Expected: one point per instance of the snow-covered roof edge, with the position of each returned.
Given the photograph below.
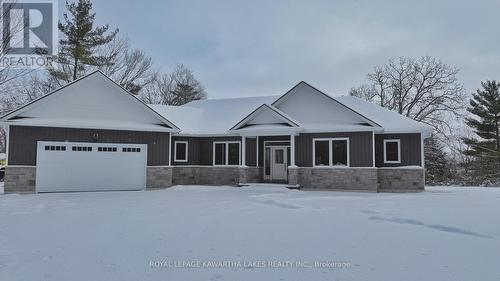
(5, 118)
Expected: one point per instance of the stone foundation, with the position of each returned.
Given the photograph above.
(358, 179)
(254, 174)
(327, 178)
(207, 175)
(158, 177)
(401, 180)
(20, 179)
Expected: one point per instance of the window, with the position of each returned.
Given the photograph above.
(340, 153)
(105, 149)
(55, 147)
(322, 153)
(131, 149)
(181, 151)
(226, 153)
(392, 151)
(331, 152)
(278, 156)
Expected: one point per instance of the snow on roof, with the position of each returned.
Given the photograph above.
(211, 116)
(217, 116)
(391, 121)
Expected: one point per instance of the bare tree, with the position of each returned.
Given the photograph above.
(424, 89)
(132, 68)
(176, 88)
(158, 91)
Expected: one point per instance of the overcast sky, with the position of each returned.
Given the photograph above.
(246, 48)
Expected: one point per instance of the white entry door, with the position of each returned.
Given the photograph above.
(279, 163)
(72, 166)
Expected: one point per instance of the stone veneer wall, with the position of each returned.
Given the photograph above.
(158, 177)
(358, 179)
(401, 179)
(207, 175)
(254, 174)
(364, 179)
(20, 179)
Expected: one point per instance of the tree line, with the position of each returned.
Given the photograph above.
(465, 145)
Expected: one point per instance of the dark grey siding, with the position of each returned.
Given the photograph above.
(410, 150)
(193, 150)
(23, 141)
(360, 148)
(200, 149)
(251, 151)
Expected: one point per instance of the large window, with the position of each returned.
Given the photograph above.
(392, 151)
(181, 151)
(331, 152)
(226, 153)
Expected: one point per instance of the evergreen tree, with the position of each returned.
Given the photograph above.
(485, 108)
(436, 164)
(80, 40)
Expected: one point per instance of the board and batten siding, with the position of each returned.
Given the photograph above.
(251, 152)
(200, 149)
(23, 141)
(411, 154)
(360, 148)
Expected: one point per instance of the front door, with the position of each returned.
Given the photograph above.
(279, 163)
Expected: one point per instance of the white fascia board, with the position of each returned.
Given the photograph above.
(268, 132)
(375, 129)
(180, 134)
(425, 133)
(151, 128)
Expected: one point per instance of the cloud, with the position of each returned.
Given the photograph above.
(242, 48)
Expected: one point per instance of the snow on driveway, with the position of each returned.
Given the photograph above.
(253, 233)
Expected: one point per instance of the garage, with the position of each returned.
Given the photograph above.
(80, 166)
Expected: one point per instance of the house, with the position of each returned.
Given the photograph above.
(93, 135)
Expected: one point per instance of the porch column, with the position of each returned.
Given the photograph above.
(292, 150)
(243, 151)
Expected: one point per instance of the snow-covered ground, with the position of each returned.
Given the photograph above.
(186, 233)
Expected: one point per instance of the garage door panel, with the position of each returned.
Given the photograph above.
(66, 166)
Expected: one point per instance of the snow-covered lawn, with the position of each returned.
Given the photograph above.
(183, 232)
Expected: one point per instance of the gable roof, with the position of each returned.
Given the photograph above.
(276, 113)
(38, 113)
(294, 90)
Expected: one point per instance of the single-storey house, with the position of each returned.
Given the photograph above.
(93, 135)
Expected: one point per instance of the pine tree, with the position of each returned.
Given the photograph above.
(436, 164)
(485, 108)
(81, 38)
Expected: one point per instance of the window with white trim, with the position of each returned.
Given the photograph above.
(392, 151)
(331, 152)
(181, 151)
(226, 153)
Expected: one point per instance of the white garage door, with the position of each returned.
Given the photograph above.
(70, 166)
